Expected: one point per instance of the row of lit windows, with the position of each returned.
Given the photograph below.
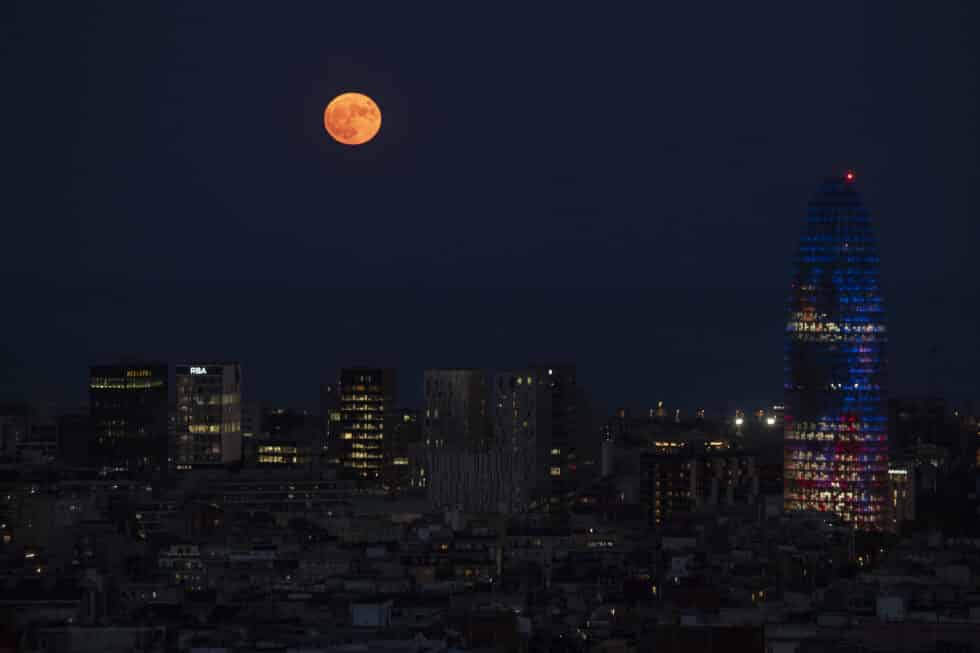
(833, 327)
(276, 448)
(846, 511)
(834, 495)
(124, 384)
(838, 505)
(807, 455)
(796, 482)
(278, 460)
(221, 427)
(833, 338)
(834, 437)
(369, 411)
(838, 471)
(363, 455)
(204, 428)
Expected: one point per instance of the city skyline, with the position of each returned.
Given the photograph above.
(490, 327)
(208, 174)
(745, 357)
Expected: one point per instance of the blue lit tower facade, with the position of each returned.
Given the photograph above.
(836, 429)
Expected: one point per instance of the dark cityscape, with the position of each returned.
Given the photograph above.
(406, 328)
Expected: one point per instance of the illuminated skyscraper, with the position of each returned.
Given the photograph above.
(836, 427)
(360, 441)
(209, 415)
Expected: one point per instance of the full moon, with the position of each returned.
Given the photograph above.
(352, 118)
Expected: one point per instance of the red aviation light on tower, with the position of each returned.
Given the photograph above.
(849, 176)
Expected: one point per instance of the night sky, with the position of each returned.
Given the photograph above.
(622, 190)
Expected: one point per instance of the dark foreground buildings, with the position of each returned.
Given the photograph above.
(507, 439)
(836, 435)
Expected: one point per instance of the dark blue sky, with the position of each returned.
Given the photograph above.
(170, 190)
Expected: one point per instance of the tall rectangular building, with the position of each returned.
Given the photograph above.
(535, 416)
(402, 463)
(558, 429)
(331, 416)
(208, 417)
(367, 400)
(16, 419)
(456, 408)
(75, 436)
(128, 409)
(529, 416)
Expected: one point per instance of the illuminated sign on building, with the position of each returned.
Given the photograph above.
(199, 370)
(130, 374)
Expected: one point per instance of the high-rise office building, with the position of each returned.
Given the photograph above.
(456, 408)
(16, 419)
(835, 423)
(253, 420)
(331, 416)
(208, 429)
(970, 430)
(367, 400)
(75, 439)
(902, 491)
(288, 438)
(554, 408)
(404, 452)
(918, 420)
(128, 408)
(527, 417)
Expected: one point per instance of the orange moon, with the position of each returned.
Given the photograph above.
(352, 118)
